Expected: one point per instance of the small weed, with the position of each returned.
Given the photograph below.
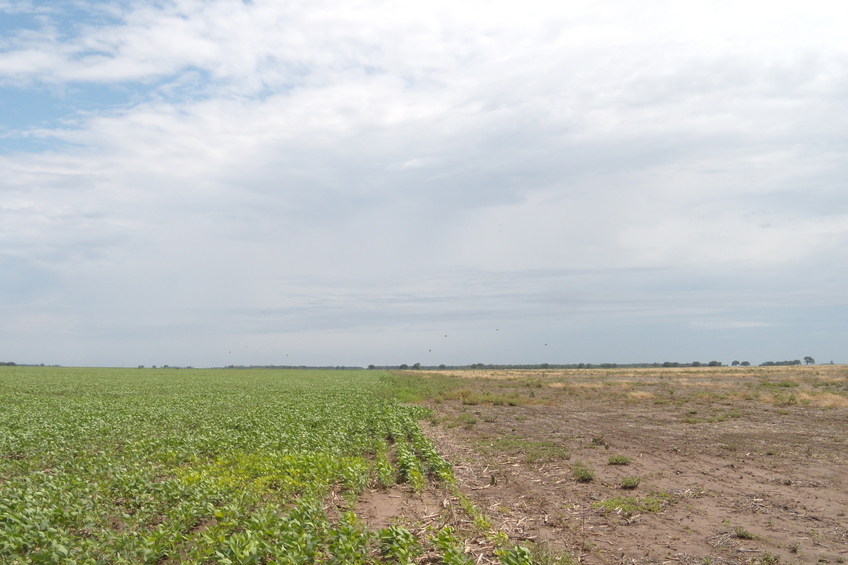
(769, 558)
(582, 473)
(629, 505)
(742, 533)
(691, 420)
(542, 554)
(629, 483)
(544, 452)
(467, 419)
(533, 451)
(795, 547)
(618, 460)
(598, 442)
(728, 446)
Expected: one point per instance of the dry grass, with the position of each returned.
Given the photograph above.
(825, 399)
(820, 386)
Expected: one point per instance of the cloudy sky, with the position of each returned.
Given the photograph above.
(213, 182)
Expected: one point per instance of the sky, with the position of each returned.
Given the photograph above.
(227, 182)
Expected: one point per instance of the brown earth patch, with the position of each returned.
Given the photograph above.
(400, 504)
(745, 468)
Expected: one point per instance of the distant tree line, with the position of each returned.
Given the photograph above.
(491, 366)
(666, 364)
(699, 364)
(327, 367)
(495, 366)
(8, 364)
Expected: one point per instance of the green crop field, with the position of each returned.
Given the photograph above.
(204, 466)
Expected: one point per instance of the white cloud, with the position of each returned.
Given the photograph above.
(347, 166)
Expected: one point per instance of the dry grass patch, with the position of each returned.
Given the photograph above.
(766, 398)
(589, 386)
(825, 400)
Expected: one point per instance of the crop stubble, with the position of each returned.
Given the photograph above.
(761, 449)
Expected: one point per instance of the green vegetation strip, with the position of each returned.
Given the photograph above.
(627, 506)
(109, 466)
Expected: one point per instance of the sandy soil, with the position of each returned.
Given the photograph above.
(742, 465)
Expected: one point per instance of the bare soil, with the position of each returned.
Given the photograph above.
(735, 465)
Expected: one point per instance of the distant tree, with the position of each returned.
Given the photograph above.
(735, 363)
(404, 366)
(780, 363)
(696, 363)
(371, 367)
(745, 363)
(714, 363)
(545, 365)
(443, 366)
(809, 360)
(417, 366)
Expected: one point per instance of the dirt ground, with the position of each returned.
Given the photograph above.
(734, 465)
